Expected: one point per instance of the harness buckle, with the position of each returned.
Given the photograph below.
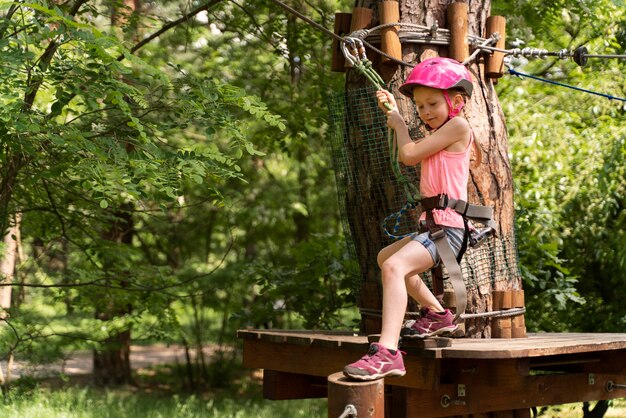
(442, 202)
(436, 234)
(477, 238)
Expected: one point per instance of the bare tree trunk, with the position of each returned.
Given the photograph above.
(8, 261)
(111, 363)
(369, 199)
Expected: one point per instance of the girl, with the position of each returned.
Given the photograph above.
(438, 86)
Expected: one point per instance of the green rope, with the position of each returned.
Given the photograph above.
(364, 66)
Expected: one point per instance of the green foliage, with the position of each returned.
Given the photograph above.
(567, 156)
(99, 146)
(315, 285)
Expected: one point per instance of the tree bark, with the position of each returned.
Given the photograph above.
(111, 363)
(7, 263)
(369, 199)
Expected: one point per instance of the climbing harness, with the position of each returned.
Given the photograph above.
(437, 234)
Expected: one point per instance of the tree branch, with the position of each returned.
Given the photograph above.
(171, 25)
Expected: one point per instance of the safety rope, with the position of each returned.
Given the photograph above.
(514, 72)
(377, 313)
(434, 35)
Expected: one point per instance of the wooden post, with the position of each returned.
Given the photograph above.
(367, 398)
(457, 24)
(389, 41)
(518, 324)
(342, 27)
(501, 327)
(494, 67)
(361, 18)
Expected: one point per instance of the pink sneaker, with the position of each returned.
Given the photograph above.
(376, 364)
(431, 323)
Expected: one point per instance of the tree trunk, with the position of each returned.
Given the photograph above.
(7, 263)
(370, 198)
(111, 363)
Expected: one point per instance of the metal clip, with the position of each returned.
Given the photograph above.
(478, 237)
(433, 30)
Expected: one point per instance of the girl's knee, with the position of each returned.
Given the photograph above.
(389, 270)
(380, 259)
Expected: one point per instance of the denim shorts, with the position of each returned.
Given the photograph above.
(455, 238)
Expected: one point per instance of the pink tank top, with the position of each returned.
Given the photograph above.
(446, 173)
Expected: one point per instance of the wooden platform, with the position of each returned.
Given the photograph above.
(469, 376)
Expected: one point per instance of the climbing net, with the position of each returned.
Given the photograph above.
(358, 127)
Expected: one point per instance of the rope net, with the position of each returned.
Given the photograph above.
(367, 185)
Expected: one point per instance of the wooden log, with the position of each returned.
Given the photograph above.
(502, 300)
(390, 42)
(361, 18)
(501, 327)
(494, 65)
(518, 322)
(367, 398)
(457, 24)
(342, 27)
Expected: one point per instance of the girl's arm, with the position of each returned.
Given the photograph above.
(453, 136)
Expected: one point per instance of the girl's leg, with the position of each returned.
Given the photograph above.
(422, 294)
(398, 261)
(415, 286)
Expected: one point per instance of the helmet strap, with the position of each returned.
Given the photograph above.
(452, 111)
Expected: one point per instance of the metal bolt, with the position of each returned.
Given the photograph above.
(349, 411)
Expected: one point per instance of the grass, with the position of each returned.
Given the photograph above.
(158, 394)
(90, 403)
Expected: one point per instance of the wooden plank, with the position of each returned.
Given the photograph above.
(532, 391)
(535, 345)
(324, 361)
(500, 372)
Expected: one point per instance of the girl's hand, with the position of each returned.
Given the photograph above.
(388, 104)
(385, 97)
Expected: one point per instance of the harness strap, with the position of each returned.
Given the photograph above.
(482, 214)
(437, 234)
(454, 271)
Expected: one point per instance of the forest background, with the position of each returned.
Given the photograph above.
(166, 175)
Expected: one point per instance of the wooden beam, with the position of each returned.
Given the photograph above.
(342, 27)
(532, 391)
(324, 361)
(278, 386)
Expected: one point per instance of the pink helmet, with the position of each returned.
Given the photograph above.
(439, 73)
